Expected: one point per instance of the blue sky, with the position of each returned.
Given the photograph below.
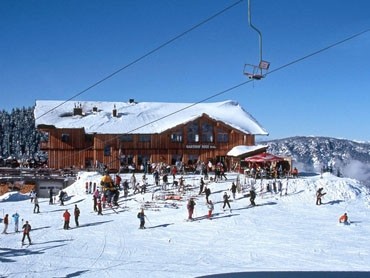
(56, 49)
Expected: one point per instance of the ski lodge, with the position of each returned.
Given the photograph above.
(125, 136)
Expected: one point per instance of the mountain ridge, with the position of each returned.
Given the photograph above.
(314, 153)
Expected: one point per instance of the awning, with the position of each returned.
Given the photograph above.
(264, 157)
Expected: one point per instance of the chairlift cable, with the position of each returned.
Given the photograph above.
(145, 55)
(239, 85)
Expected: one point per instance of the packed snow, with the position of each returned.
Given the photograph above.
(285, 232)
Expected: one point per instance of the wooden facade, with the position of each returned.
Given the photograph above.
(203, 139)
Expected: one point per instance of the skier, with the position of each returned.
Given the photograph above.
(201, 187)
(99, 206)
(61, 197)
(136, 188)
(156, 177)
(252, 197)
(222, 172)
(66, 216)
(104, 199)
(77, 215)
(125, 188)
(233, 189)
(344, 219)
(106, 181)
(133, 180)
(16, 221)
(51, 196)
(165, 181)
(26, 232)
(6, 223)
(190, 207)
(226, 201)
(319, 195)
(210, 208)
(116, 197)
(141, 216)
(36, 208)
(95, 199)
(32, 195)
(207, 191)
(118, 181)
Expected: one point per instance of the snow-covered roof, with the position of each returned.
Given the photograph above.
(142, 117)
(242, 150)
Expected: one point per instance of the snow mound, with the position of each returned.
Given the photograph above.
(13, 197)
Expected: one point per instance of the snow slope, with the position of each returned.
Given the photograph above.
(283, 233)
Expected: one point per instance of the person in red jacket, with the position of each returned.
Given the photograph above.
(6, 223)
(67, 217)
(344, 219)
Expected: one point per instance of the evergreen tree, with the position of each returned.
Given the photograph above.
(19, 138)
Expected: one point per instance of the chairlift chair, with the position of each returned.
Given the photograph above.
(253, 71)
(256, 72)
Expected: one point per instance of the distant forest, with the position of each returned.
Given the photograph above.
(19, 139)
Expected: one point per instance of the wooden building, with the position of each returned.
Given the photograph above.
(121, 134)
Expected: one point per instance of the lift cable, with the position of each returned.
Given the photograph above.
(239, 85)
(145, 55)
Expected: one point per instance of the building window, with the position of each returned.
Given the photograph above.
(126, 160)
(176, 136)
(207, 133)
(144, 138)
(127, 138)
(65, 137)
(107, 150)
(222, 136)
(193, 132)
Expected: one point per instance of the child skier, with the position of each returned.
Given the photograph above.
(210, 208)
(141, 216)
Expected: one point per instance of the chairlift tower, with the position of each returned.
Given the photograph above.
(256, 72)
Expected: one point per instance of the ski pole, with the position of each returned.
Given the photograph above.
(148, 220)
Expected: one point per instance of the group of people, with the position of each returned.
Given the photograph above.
(67, 217)
(26, 227)
(203, 188)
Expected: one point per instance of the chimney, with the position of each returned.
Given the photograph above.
(114, 112)
(77, 111)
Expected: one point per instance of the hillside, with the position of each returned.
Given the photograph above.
(285, 232)
(311, 154)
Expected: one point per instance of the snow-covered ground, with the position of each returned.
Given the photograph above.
(283, 233)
